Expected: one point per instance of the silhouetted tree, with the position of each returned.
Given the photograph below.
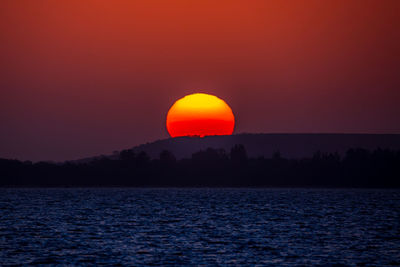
(276, 155)
(167, 158)
(238, 155)
(127, 155)
(142, 159)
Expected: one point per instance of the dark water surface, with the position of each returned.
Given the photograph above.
(199, 226)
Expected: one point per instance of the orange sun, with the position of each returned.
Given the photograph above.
(200, 115)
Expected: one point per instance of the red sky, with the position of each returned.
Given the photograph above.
(81, 78)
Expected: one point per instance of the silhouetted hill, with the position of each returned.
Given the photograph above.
(289, 145)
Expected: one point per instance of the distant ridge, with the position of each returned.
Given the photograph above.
(289, 145)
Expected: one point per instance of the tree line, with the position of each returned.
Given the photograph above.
(358, 168)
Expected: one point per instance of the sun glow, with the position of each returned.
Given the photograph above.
(200, 115)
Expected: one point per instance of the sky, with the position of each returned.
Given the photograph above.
(83, 78)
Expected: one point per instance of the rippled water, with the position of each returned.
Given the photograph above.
(199, 226)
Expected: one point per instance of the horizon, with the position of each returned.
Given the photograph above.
(136, 147)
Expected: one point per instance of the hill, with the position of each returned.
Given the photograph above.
(289, 145)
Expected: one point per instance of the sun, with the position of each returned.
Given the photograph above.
(200, 115)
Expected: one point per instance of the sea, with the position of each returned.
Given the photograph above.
(202, 226)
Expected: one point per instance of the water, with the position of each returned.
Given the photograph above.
(199, 226)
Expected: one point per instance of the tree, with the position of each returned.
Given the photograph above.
(127, 155)
(166, 157)
(238, 154)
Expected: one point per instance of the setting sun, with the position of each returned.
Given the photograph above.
(200, 115)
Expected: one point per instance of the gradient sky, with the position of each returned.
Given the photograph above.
(82, 78)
